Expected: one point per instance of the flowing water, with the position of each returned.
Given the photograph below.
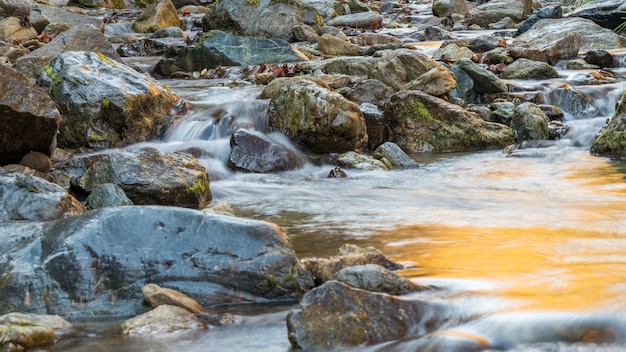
(530, 248)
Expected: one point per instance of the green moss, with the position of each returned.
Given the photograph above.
(105, 103)
(252, 2)
(610, 143)
(416, 111)
(50, 73)
(105, 59)
(319, 20)
(201, 189)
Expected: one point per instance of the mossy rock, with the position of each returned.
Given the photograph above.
(612, 139)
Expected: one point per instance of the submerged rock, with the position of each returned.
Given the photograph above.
(104, 103)
(353, 160)
(317, 119)
(29, 119)
(96, 263)
(335, 315)
(419, 122)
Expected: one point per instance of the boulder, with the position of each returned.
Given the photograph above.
(252, 151)
(484, 81)
(37, 161)
(611, 141)
(143, 47)
(494, 11)
(452, 53)
(437, 81)
(605, 13)
(107, 195)
(325, 269)
(529, 69)
(265, 18)
(529, 122)
(304, 33)
(371, 91)
(399, 67)
(375, 122)
(345, 65)
(96, 263)
(11, 29)
(217, 48)
(502, 112)
(573, 101)
(78, 38)
(390, 154)
(29, 120)
(602, 58)
(354, 160)
(19, 332)
(161, 14)
(104, 103)
(334, 316)
(369, 38)
(331, 45)
(156, 295)
(15, 8)
(443, 8)
(148, 176)
(362, 20)
(553, 12)
(316, 119)
(161, 320)
(27, 197)
(42, 15)
(419, 122)
(375, 278)
(479, 44)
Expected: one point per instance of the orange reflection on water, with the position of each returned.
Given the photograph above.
(548, 269)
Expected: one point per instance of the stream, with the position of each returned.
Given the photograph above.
(530, 246)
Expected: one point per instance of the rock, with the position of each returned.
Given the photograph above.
(553, 113)
(50, 14)
(304, 33)
(494, 11)
(220, 209)
(579, 64)
(611, 141)
(143, 47)
(528, 69)
(375, 122)
(148, 176)
(15, 8)
(27, 197)
(375, 278)
(435, 33)
(275, 87)
(437, 81)
(419, 122)
(29, 120)
(265, 18)
(368, 38)
(217, 48)
(325, 269)
(484, 81)
(162, 320)
(557, 130)
(169, 32)
(452, 53)
(107, 195)
(335, 315)
(253, 151)
(502, 112)
(96, 263)
(443, 8)
(504, 23)
(58, 325)
(554, 12)
(351, 66)
(573, 101)
(104, 103)
(464, 90)
(371, 91)
(332, 31)
(399, 67)
(331, 45)
(477, 44)
(367, 20)
(529, 122)
(77, 38)
(353, 160)
(11, 29)
(159, 15)
(393, 155)
(19, 332)
(37, 160)
(156, 296)
(605, 13)
(602, 58)
(497, 56)
(317, 119)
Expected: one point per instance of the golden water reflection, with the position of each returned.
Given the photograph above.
(546, 269)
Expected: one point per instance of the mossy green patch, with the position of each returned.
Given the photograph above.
(414, 110)
(50, 73)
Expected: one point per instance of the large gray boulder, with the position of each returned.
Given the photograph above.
(335, 315)
(419, 122)
(29, 120)
(78, 38)
(217, 48)
(104, 103)
(265, 18)
(611, 141)
(147, 176)
(317, 119)
(606, 13)
(97, 263)
(27, 197)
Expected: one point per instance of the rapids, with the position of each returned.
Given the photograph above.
(530, 247)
